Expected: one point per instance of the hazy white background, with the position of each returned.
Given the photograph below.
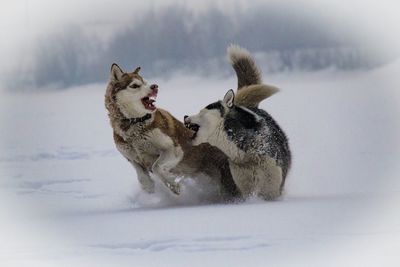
(68, 198)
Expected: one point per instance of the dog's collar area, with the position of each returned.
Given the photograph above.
(137, 120)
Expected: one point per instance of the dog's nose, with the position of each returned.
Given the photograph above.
(186, 119)
(154, 87)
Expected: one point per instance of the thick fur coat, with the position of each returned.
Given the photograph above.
(257, 148)
(155, 142)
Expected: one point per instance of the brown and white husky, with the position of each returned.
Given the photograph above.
(155, 142)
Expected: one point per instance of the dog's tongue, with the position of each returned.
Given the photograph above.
(148, 102)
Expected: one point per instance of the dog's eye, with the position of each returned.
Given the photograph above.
(134, 85)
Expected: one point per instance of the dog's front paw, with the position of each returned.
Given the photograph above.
(174, 187)
(150, 189)
(147, 184)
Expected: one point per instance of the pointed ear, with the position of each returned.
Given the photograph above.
(136, 71)
(229, 98)
(116, 72)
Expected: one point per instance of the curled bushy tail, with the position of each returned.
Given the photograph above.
(244, 65)
(250, 96)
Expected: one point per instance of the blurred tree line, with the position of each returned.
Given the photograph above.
(175, 39)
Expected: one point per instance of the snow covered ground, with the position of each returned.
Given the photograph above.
(67, 198)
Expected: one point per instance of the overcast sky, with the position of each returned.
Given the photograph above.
(23, 21)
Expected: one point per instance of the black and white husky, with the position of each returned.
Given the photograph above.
(257, 148)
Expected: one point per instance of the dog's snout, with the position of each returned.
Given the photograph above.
(154, 87)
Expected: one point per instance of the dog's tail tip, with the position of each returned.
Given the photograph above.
(235, 52)
(244, 65)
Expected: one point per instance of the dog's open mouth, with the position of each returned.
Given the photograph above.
(149, 100)
(194, 127)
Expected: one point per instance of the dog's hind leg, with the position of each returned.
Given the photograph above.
(263, 181)
(167, 160)
(243, 176)
(144, 178)
(268, 182)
